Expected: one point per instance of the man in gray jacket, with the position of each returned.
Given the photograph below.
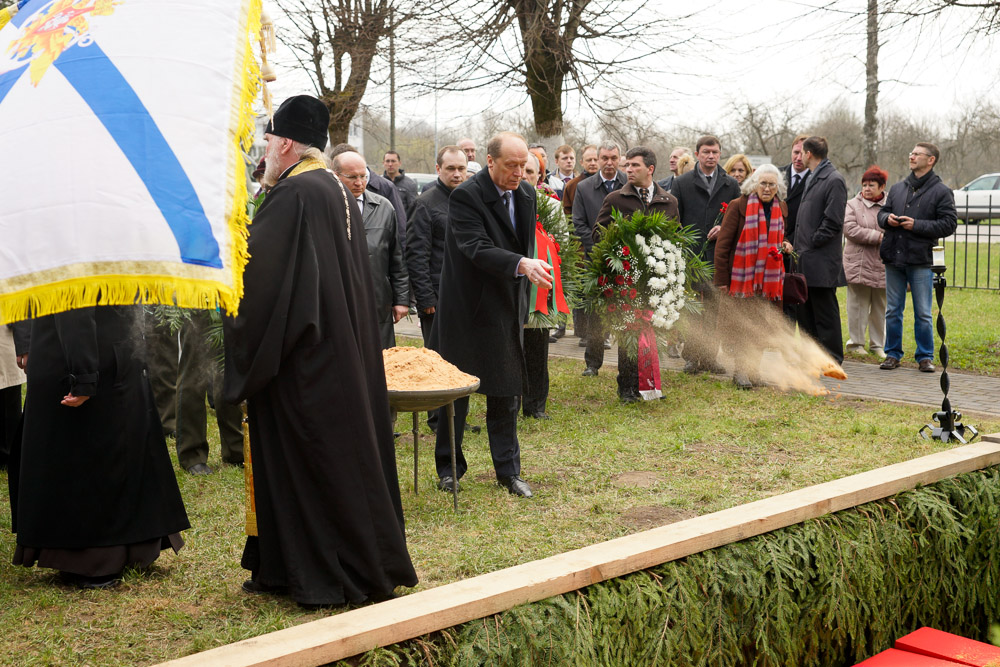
(587, 202)
(819, 242)
(385, 255)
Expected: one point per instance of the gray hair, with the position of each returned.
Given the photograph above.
(608, 146)
(753, 180)
(304, 151)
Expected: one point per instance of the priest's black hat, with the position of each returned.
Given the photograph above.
(302, 118)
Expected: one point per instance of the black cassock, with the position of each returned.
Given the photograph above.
(304, 351)
(92, 487)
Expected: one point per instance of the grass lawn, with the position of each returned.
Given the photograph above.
(600, 470)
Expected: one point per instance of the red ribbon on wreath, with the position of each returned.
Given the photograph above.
(547, 250)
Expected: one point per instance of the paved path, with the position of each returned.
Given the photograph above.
(969, 393)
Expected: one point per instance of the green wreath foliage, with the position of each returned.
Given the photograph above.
(606, 260)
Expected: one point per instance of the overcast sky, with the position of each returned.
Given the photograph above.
(765, 51)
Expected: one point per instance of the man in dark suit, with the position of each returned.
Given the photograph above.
(819, 242)
(795, 173)
(587, 203)
(640, 194)
(700, 194)
(483, 303)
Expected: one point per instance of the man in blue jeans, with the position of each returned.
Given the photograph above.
(919, 211)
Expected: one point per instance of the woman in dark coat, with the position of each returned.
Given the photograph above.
(92, 487)
(749, 265)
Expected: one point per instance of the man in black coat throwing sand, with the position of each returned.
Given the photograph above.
(483, 303)
(304, 351)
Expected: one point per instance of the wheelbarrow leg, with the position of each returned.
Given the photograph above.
(416, 446)
(454, 463)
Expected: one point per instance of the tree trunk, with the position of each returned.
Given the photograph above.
(871, 87)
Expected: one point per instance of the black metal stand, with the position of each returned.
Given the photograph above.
(949, 422)
(450, 411)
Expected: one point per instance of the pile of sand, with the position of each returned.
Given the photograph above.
(420, 369)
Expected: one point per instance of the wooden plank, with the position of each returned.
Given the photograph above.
(359, 630)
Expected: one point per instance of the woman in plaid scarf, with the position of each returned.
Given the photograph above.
(749, 265)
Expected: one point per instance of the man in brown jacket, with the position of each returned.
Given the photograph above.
(640, 194)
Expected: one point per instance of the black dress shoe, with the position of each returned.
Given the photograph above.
(742, 381)
(553, 339)
(560, 332)
(471, 428)
(590, 372)
(538, 415)
(200, 469)
(692, 367)
(445, 483)
(890, 363)
(257, 588)
(515, 486)
(628, 398)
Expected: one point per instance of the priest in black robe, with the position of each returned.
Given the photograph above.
(91, 484)
(304, 352)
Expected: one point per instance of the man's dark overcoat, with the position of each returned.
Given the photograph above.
(304, 351)
(819, 228)
(424, 250)
(482, 304)
(699, 209)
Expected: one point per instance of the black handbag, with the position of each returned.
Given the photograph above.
(795, 291)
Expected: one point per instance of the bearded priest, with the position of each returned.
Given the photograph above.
(304, 353)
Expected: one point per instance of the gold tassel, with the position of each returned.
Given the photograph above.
(267, 36)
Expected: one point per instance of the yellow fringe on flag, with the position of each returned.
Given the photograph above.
(111, 290)
(6, 14)
(129, 289)
(244, 118)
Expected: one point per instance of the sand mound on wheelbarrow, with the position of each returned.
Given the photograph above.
(420, 369)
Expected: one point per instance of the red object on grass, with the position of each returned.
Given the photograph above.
(938, 644)
(896, 658)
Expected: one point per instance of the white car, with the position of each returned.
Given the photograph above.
(979, 200)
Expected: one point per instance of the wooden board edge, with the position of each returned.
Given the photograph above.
(353, 632)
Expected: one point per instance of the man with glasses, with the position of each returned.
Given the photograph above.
(385, 255)
(919, 210)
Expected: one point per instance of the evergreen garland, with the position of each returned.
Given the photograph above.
(830, 591)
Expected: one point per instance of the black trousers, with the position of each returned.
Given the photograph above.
(426, 322)
(593, 355)
(701, 341)
(10, 417)
(536, 358)
(628, 375)
(819, 317)
(161, 360)
(198, 374)
(501, 425)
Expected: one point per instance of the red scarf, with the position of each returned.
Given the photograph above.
(758, 267)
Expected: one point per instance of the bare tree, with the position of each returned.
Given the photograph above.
(546, 45)
(871, 86)
(336, 43)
